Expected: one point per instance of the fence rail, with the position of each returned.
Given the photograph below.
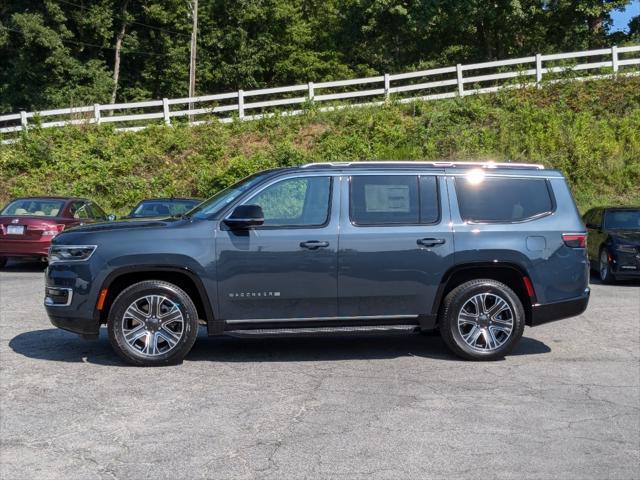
(436, 83)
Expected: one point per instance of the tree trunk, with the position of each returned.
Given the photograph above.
(118, 48)
(192, 54)
(486, 38)
(596, 27)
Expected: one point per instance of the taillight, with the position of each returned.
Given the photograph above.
(575, 240)
(53, 230)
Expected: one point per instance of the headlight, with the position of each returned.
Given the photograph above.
(70, 253)
(626, 248)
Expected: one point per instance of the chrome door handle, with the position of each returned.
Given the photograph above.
(430, 242)
(314, 244)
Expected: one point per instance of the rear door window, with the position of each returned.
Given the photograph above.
(429, 204)
(394, 199)
(503, 199)
(384, 200)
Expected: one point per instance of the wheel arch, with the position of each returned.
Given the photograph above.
(510, 274)
(184, 278)
(605, 245)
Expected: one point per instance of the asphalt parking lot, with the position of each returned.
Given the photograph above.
(565, 405)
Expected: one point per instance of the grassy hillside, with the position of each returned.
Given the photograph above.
(590, 131)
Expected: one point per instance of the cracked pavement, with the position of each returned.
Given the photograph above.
(565, 404)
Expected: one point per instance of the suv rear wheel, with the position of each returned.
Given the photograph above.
(482, 320)
(153, 323)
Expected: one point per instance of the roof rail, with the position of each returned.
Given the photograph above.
(440, 164)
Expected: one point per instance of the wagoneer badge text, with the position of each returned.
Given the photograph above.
(254, 294)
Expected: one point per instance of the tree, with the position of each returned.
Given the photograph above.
(118, 48)
(58, 53)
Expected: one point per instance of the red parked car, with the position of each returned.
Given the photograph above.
(27, 225)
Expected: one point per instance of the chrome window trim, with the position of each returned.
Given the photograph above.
(439, 197)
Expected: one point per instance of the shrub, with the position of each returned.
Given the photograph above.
(588, 130)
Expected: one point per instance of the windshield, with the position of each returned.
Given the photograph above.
(224, 197)
(155, 208)
(622, 220)
(34, 206)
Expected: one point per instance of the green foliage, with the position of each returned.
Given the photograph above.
(61, 53)
(588, 130)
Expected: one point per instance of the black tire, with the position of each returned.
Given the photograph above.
(452, 308)
(166, 354)
(605, 269)
(3, 261)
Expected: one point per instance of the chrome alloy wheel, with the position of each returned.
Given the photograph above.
(152, 325)
(485, 322)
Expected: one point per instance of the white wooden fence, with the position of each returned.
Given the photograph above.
(437, 83)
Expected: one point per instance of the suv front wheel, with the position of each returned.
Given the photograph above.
(604, 267)
(153, 323)
(482, 320)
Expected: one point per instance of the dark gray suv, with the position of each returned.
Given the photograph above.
(476, 250)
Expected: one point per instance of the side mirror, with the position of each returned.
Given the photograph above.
(245, 216)
(111, 217)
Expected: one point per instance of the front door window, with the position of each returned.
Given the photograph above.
(295, 202)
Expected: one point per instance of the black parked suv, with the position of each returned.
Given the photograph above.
(476, 250)
(614, 242)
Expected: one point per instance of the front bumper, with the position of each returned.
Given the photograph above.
(82, 326)
(626, 265)
(70, 297)
(551, 312)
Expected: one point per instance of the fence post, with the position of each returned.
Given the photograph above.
(165, 112)
(538, 70)
(23, 119)
(241, 104)
(387, 86)
(614, 58)
(312, 92)
(96, 113)
(460, 83)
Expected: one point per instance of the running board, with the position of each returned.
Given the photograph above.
(320, 331)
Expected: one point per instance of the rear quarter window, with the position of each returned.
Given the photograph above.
(503, 200)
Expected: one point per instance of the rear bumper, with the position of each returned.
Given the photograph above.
(551, 312)
(24, 248)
